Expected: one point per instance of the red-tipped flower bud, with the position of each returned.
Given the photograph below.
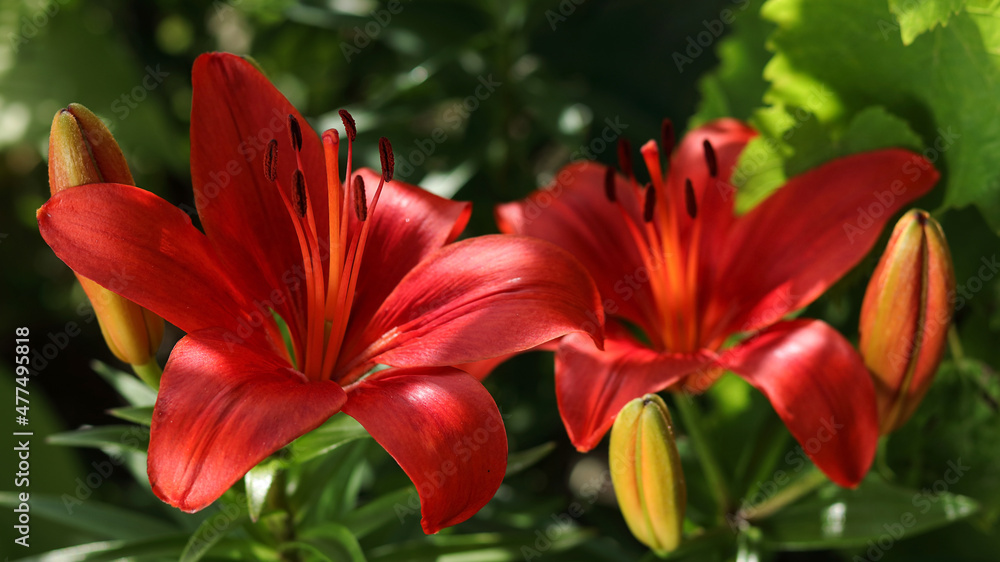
(83, 151)
(905, 316)
(646, 472)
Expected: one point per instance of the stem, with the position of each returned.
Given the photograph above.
(787, 495)
(955, 345)
(881, 460)
(283, 529)
(691, 417)
(149, 373)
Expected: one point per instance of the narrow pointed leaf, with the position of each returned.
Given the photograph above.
(142, 415)
(132, 389)
(208, 535)
(337, 431)
(96, 519)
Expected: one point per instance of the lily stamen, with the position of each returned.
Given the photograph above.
(710, 159)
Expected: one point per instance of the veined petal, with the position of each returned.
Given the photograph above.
(410, 223)
(592, 386)
(139, 246)
(235, 112)
(819, 386)
(481, 298)
(574, 213)
(221, 409)
(789, 249)
(444, 430)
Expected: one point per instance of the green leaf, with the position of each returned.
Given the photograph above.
(338, 430)
(792, 140)
(91, 516)
(736, 86)
(258, 483)
(132, 389)
(840, 518)
(157, 548)
(522, 460)
(142, 415)
(333, 541)
(945, 84)
(492, 547)
(209, 534)
(925, 448)
(873, 128)
(916, 17)
(117, 437)
(376, 513)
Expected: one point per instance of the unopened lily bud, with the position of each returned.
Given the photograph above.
(83, 151)
(646, 472)
(905, 316)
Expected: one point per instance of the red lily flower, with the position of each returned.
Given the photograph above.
(283, 236)
(674, 260)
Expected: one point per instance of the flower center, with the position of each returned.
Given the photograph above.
(329, 294)
(668, 235)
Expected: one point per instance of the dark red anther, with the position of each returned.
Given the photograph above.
(360, 199)
(388, 160)
(625, 157)
(689, 200)
(667, 137)
(713, 164)
(650, 206)
(349, 126)
(609, 184)
(299, 187)
(271, 161)
(295, 131)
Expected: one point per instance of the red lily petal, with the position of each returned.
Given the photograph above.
(714, 196)
(482, 369)
(221, 409)
(143, 248)
(480, 298)
(592, 386)
(789, 249)
(235, 112)
(575, 214)
(444, 430)
(410, 223)
(819, 386)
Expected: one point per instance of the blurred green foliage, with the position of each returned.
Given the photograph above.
(562, 73)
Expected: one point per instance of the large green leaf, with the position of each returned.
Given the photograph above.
(916, 17)
(945, 84)
(840, 518)
(792, 141)
(736, 86)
